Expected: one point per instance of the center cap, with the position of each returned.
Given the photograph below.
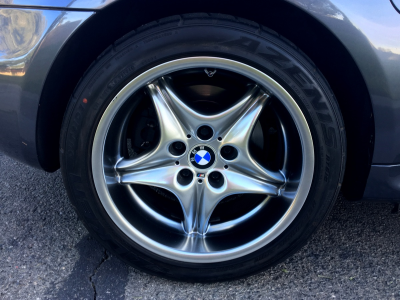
(202, 157)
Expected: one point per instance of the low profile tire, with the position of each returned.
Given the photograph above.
(202, 148)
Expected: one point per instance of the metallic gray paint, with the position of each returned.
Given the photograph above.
(77, 4)
(29, 42)
(371, 33)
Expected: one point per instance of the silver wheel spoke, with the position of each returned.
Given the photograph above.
(162, 177)
(192, 206)
(235, 183)
(239, 136)
(171, 130)
(192, 120)
(144, 161)
(170, 124)
(198, 201)
(166, 177)
(238, 183)
(191, 196)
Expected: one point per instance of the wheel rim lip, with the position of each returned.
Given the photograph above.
(202, 62)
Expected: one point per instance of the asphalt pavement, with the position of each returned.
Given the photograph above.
(46, 253)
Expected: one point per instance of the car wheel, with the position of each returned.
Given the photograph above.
(202, 148)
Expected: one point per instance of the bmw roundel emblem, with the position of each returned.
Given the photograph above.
(202, 157)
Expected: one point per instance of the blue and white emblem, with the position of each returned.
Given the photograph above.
(202, 157)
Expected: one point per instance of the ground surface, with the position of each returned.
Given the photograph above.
(46, 253)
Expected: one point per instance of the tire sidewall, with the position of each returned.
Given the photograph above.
(262, 50)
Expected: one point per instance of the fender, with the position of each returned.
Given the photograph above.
(32, 39)
(377, 57)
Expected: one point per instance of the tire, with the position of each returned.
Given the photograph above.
(225, 39)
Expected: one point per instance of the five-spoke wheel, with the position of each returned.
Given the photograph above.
(201, 159)
(202, 148)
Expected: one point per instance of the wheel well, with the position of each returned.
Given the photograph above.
(315, 40)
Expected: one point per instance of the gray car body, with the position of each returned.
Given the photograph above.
(33, 33)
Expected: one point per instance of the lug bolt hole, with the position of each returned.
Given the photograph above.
(185, 177)
(177, 163)
(220, 139)
(229, 152)
(226, 167)
(189, 136)
(205, 132)
(200, 180)
(216, 179)
(177, 148)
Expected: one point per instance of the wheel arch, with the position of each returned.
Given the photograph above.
(310, 35)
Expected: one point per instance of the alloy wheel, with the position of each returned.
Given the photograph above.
(207, 157)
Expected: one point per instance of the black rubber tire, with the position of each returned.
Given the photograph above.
(194, 35)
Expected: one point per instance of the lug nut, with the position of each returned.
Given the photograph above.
(215, 175)
(185, 173)
(216, 179)
(178, 145)
(177, 148)
(185, 177)
(229, 152)
(205, 132)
